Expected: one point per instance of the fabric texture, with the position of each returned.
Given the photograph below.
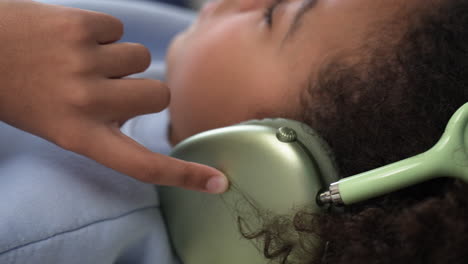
(60, 207)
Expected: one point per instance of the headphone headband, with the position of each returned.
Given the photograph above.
(449, 157)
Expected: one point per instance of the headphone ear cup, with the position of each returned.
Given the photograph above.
(274, 166)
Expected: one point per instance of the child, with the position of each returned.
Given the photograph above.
(377, 79)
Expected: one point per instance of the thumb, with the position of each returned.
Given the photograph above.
(117, 151)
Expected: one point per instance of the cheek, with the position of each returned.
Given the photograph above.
(225, 75)
(210, 80)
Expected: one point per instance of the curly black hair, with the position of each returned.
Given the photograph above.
(389, 106)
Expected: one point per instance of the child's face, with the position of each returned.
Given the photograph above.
(231, 66)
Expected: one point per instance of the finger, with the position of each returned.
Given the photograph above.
(121, 99)
(115, 150)
(122, 59)
(105, 28)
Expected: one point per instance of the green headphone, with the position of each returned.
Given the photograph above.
(278, 166)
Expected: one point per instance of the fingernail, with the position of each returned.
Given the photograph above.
(217, 184)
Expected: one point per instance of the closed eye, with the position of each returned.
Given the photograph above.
(268, 15)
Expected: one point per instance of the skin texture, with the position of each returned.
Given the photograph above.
(391, 101)
(61, 73)
(230, 66)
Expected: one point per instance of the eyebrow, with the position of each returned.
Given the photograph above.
(295, 25)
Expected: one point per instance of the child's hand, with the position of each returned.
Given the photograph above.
(60, 75)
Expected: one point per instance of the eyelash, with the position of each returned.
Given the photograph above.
(268, 15)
